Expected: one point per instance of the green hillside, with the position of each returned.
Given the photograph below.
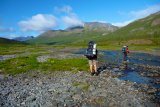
(91, 30)
(65, 38)
(8, 41)
(142, 32)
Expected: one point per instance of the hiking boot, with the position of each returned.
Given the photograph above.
(96, 73)
(92, 73)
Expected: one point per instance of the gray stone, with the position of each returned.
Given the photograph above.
(58, 90)
(34, 104)
(2, 77)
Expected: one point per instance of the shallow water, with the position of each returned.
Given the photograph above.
(134, 58)
(116, 57)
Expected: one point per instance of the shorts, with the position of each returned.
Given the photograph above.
(92, 62)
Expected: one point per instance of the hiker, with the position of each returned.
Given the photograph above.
(91, 54)
(125, 52)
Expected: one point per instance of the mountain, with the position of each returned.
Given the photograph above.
(75, 33)
(8, 41)
(98, 26)
(75, 28)
(145, 31)
(23, 38)
(142, 31)
(94, 26)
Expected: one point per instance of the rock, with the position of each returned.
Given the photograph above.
(54, 103)
(43, 58)
(77, 97)
(71, 90)
(150, 104)
(112, 104)
(6, 57)
(147, 70)
(34, 104)
(156, 22)
(52, 89)
(151, 91)
(1, 77)
(23, 103)
(115, 69)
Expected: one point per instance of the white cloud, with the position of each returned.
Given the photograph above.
(72, 21)
(69, 18)
(121, 24)
(65, 9)
(145, 12)
(6, 29)
(101, 21)
(11, 36)
(137, 14)
(39, 22)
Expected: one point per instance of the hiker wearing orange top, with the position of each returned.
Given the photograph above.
(125, 51)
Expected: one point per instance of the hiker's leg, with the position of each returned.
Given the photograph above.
(95, 68)
(95, 65)
(90, 66)
(125, 55)
(91, 70)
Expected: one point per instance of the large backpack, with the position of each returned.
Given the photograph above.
(91, 50)
(124, 49)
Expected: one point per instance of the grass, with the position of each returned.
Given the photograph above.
(74, 65)
(140, 30)
(13, 48)
(29, 63)
(9, 49)
(19, 65)
(8, 52)
(82, 85)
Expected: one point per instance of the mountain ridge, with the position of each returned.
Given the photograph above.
(74, 33)
(145, 31)
(22, 39)
(8, 41)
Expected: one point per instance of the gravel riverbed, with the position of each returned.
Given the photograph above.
(67, 89)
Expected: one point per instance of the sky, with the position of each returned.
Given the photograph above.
(33, 17)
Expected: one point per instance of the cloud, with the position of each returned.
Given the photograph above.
(101, 21)
(11, 36)
(137, 14)
(145, 12)
(43, 22)
(68, 17)
(121, 24)
(64, 9)
(6, 29)
(72, 21)
(39, 23)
